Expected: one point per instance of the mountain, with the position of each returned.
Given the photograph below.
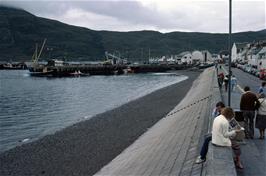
(20, 31)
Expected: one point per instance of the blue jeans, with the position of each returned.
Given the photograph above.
(205, 147)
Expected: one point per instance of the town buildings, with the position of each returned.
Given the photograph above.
(252, 54)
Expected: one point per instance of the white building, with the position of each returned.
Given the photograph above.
(238, 51)
(252, 56)
(207, 57)
(184, 58)
(197, 56)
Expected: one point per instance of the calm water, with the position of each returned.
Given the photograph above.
(33, 107)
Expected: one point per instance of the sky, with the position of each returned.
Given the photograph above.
(159, 15)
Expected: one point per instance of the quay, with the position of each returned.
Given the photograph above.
(171, 146)
(100, 69)
(57, 68)
(70, 70)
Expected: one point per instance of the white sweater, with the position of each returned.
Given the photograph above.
(220, 131)
(262, 109)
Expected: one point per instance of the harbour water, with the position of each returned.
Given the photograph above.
(32, 107)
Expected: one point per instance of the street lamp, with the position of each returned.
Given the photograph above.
(230, 52)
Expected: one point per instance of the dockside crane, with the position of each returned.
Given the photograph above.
(36, 55)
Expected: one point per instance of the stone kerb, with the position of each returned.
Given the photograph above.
(219, 159)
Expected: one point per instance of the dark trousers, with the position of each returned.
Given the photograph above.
(225, 86)
(249, 123)
(205, 147)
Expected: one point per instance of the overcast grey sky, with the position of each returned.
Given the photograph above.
(159, 15)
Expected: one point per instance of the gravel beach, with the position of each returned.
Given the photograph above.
(84, 148)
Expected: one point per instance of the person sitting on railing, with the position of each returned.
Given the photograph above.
(204, 149)
(221, 136)
(218, 109)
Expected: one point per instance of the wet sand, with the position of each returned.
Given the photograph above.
(84, 148)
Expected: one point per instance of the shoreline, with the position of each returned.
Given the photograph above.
(85, 147)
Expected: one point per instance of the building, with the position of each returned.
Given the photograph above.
(252, 54)
(207, 57)
(197, 57)
(184, 58)
(238, 50)
(262, 58)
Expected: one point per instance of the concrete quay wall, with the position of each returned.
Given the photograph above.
(171, 145)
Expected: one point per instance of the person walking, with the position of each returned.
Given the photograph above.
(262, 88)
(226, 80)
(233, 83)
(261, 116)
(247, 106)
(220, 79)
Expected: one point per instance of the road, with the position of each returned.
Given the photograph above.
(246, 79)
(254, 152)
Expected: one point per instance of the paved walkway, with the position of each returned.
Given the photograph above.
(254, 152)
(171, 146)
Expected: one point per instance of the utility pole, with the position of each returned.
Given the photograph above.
(230, 52)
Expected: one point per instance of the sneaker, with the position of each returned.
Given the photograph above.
(199, 160)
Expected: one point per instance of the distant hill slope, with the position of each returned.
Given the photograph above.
(20, 30)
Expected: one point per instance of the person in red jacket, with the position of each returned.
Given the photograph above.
(247, 106)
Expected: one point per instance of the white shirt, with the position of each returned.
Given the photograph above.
(220, 131)
(262, 109)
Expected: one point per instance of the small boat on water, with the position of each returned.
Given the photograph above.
(78, 73)
(13, 66)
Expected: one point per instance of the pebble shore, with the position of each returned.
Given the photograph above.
(84, 148)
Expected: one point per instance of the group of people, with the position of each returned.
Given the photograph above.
(224, 80)
(254, 105)
(251, 105)
(222, 135)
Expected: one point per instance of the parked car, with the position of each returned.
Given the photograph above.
(247, 68)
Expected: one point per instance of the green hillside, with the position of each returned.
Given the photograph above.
(20, 30)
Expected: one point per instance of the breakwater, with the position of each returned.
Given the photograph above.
(104, 69)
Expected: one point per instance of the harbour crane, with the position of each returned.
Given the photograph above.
(36, 55)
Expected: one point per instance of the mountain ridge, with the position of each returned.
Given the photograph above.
(20, 30)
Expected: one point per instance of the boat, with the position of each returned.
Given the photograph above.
(78, 73)
(44, 72)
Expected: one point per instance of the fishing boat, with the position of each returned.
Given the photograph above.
(43, 72)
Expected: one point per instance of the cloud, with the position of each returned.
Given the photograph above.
(162, 15)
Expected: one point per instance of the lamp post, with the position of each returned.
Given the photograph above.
(230, 52)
